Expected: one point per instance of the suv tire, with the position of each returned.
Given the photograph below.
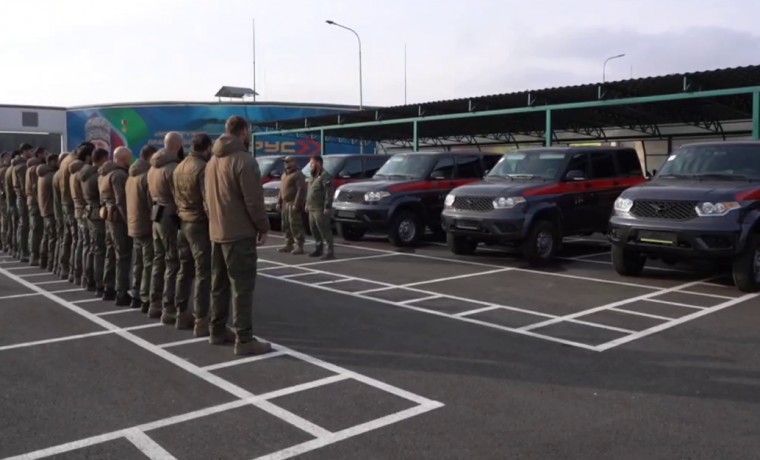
(405, 230)
(746, 266)
(542, 243)
(461, 245)
(351, 232)
(627, 263)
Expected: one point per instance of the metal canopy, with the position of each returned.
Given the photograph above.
(235, 91)
(708, 102)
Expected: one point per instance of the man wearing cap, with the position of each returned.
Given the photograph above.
(291, 201)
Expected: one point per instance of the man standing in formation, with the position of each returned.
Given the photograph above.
(291, 202)
(22, 211)
(58, 212)
(66, 259)
(98, 249)
(10, 200)
(35, 220)
(140, 229)
(5, 161)
(46, 206)
(319, 205)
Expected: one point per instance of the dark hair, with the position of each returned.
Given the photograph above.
(201, 142)
(85, 150)
(5, 154)
(24, 147)
(15, 154)
(318, 159)
(99, 155)
(236, 125)
(51, 158)
(147, 151)
(39, 151)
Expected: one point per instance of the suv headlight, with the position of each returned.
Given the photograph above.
(374, 197)
(507, 202)
(449, 201)
(716, 209)
(335, 195)
(623, 204)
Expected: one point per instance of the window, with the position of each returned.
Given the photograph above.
(489, 161)
(578, 166)
(352, 169)
(444, 168)
(603, 165)
(468, 167)
(629, 164)
(278, 168)
(30, 119)
(372, 164)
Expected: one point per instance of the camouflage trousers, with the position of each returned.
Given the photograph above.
(48, 244)
(292, 224)
(83, 251)
(22, 229)
(36, 231)
(96, 259)
(233, 281)
(321, 229)
(165, 266)
(194, 248)
(118, 257)
(142, 268)
(65, 255)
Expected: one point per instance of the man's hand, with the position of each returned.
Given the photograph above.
(261, 239)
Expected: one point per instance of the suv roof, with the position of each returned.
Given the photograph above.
(719, 143)
(572, 149)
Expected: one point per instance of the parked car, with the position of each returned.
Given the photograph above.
(272, 167)
(534, 197)
(406, 195)
(344, 168)
(704, 203)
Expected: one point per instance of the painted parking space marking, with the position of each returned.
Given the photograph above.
(677, 304)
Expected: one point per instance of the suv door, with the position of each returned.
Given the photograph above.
(441, 182)
(576, 202)
(605, 186)
(469, 169)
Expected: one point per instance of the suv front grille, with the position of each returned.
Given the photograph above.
(351, 197)
(271, 192)
(473, 203)
(672, 210)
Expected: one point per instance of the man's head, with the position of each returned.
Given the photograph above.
(40, 153)
(99, 156)
(26, 151)
(173, 142)
(239, 127)
(14, 154)
(202, 144)
(290, 163)
(62, 156)
(97, 130)
(5, 158)
(84, 152)
(147, 152)
(316, 164)
(51, 160)
(122, 156)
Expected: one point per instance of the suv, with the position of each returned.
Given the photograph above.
(703, 204)
(273, 167)
(343, 168)
(406, 194)
(533, 198)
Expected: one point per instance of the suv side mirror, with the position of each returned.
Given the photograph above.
(276, 174)
(438, 175)
(575, 174)
(344, 175)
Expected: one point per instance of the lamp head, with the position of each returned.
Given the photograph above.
(332, 23)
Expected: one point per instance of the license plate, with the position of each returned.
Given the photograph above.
(346, 214)
(270, 201)
(664, 238)
(468, 224)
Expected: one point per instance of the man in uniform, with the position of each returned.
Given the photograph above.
(45, 200)
(59, 220)
(4, 163)
(165, 227)
(81, 242)
(112, 185)
(36, 228)
(140, 228)
(291, 203)
(19, 186)
(195, 259)
(70, 229)
(10, 200)
(96, 225)
(319, 206)
(237, 223)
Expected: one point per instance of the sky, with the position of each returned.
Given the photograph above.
(82, 52)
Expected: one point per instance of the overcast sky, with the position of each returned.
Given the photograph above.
(79, 52)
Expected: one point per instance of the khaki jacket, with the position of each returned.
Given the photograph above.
(293, 188)
(64, 184)
(45, 188)
(189, 191)
(10, 192)
(3, 199)
(234, 193)
(139, 202)
(160, 185)
(19, 176)
(320, 194)
(57, 197)
(88, 179)
(30, 182)
(75, 188)
(113, 194)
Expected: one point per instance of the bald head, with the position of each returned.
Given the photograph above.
(173, 142)
(122, 156)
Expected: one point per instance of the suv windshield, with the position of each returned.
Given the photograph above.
(529, 165)
(266, 165)
(406, 166)
(331, 165)
(713, 162)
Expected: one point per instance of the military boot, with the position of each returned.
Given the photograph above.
(298, 250)
(135, 303)
(168, 319)
(144, 307)
(200, 329)
(185, 320)
(285, 249)
(317, 252)
(99, 292)
(153, 312)
(254, 347)
(221, 337)
(123, 299)
(329, 255)
(109, 296)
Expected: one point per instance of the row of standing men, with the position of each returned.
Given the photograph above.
(180, 224)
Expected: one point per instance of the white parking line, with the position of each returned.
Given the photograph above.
(72, 337)
(32, 275)
(476, 311)
(147, 446)
(22, 268)
(704, 294)
(676, 304)
(322, 283)
(19, 296)
(638, 313)
(51, 282)
(96, 299)
(588, 256)
(237, 362)
(183, 342)
(422, 299)
(117, 312)
(64, 291)
(434, 281)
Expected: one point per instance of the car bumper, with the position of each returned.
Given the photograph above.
(485, 227)
(375, 217)
(698, 238)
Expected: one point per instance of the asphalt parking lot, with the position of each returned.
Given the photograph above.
(389, 353)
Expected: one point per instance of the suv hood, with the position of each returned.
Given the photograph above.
(689, 190)
(273, 184)
(496, 189)
(388, 185)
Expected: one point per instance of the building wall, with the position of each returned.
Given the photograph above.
(39, 126)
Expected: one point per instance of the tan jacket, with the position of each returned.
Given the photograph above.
(75, 189)
(139, 202)
(88, 179)
(293, 188)
(233, 192)
(189, 191)
(10, 192)
(30, 181)
(19, 176)
(160, 185)
(113, 194)
(64, 184)
(45, 187)
(3, 170)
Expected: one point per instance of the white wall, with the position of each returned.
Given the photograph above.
(49, 120)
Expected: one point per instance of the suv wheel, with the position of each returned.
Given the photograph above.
(461, 245)
(351, 232)
(627, 263)
(405, 229)
(542, 243)
(746, 269)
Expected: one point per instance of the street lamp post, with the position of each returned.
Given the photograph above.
(604, 68)
(361, 92)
